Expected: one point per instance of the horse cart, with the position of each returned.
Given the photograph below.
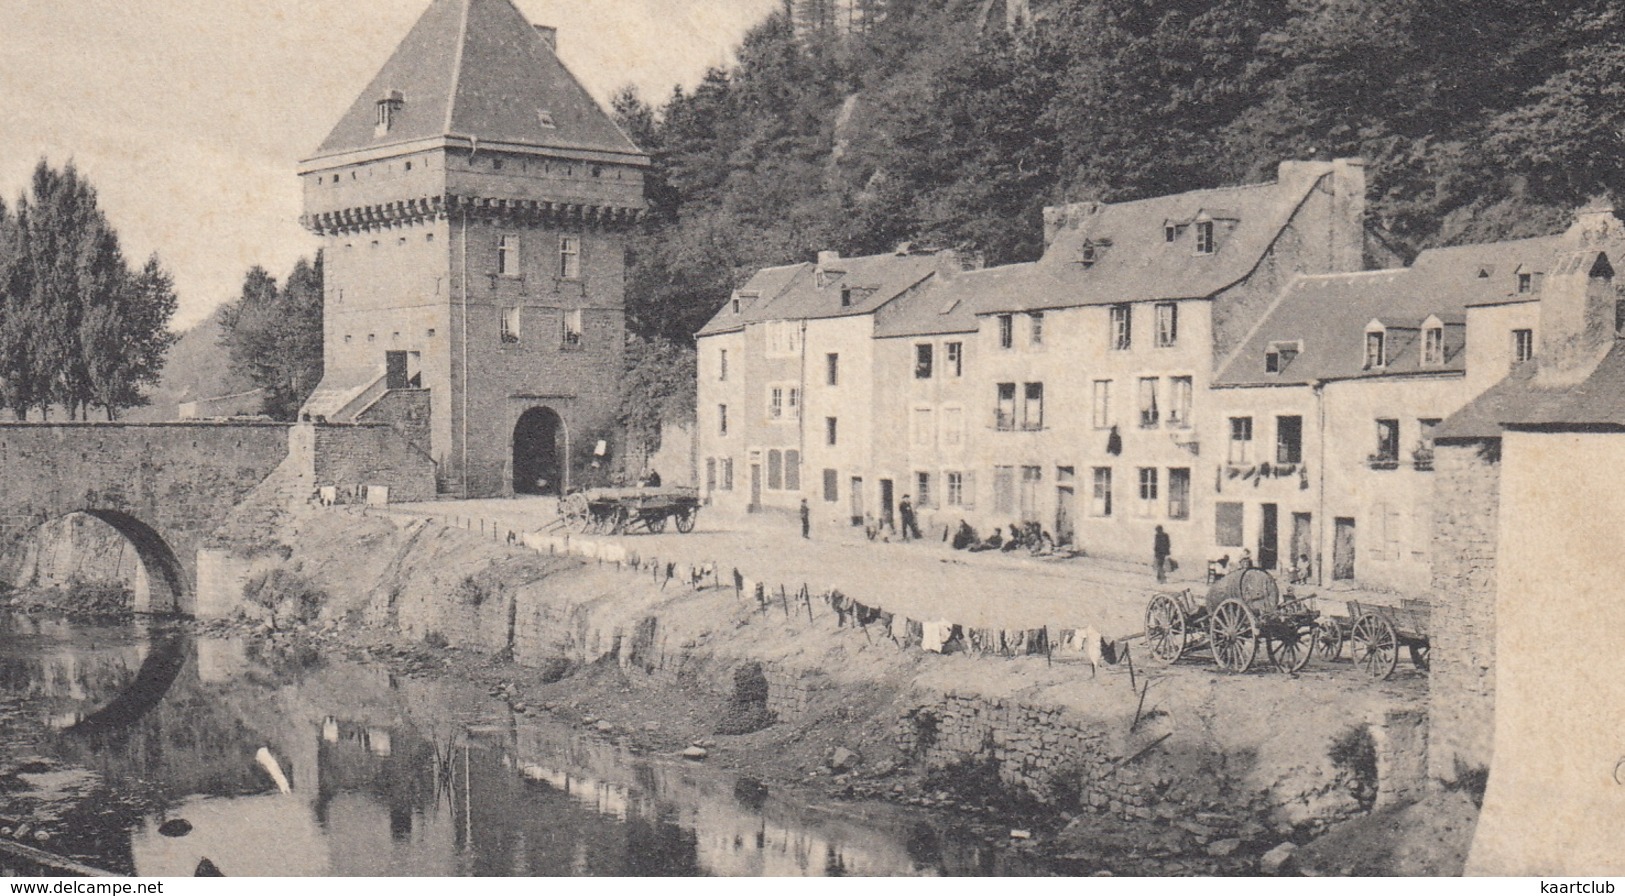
(1243, 610)
(619, 511)
(1376, 633)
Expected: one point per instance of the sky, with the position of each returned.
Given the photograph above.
(190, 116)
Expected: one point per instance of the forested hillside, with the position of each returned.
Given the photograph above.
(1480, 121)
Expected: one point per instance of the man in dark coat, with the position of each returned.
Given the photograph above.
(911, 526)
(1161, 547)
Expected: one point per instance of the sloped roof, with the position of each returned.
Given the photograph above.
(478, 68)
(793, 292)
(951, 305)
(1330, 312)
(1135, 262)
(1526, 398)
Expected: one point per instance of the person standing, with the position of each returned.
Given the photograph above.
(1161, 547)
(911, 527)
(806, 519)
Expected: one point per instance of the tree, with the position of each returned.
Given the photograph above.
(274, 335)
(657, 387)
(125, 343)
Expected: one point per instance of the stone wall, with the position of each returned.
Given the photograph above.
(407, 410)
(1465, 537)
(350, 457)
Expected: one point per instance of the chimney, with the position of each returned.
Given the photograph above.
(1348, 215)
(550, 35)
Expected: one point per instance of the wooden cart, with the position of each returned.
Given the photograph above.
(1243, 610)
(618, 511)
(1375, 633)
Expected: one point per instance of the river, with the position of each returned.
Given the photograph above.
(143, 749)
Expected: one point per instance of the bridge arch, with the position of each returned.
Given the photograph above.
(166, 580)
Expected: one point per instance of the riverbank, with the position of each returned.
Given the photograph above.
(1211, 772)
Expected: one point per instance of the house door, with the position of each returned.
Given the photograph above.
(1065, 510)
(857, 500)
(1269, 538)
(1343, 549)
(755, 487)
(1302, 544)
(887, 520)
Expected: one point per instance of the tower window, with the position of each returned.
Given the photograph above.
(572, 329)
(510, 326)
(569, 258)
(508, 256)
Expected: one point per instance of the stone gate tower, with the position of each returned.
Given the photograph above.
(473, 203)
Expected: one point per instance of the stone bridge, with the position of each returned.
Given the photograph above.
(167, 487)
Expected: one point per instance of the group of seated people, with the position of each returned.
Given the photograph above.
(1029, 536)
(1300, 573)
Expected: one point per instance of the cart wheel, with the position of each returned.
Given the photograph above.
(1165, 629)
(1419, 655)
(656, 524)
(1329, 640)
(1233, 633)
(1290, 644)
(1375, 646)
(686, 519)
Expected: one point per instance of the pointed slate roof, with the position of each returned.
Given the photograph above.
(478, 68)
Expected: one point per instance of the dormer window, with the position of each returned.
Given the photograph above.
(1280, 355)
(1089, 255)
(1433, 347)
(546, 118)
(1376, 350)
(846, 297)
(1526, 283)
(388, 108)
(1204, 237)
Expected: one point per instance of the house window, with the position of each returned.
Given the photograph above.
(569, 258)
(1032, 407)
(1169, 233)
(955, 484)
(1433, 346)
(1375, 354)
(1179, 493)
(775, 403)
(573, 329)
(1100, 503)
(722, 366)
(783, 338)
(1227, 524)
(846, 297)
(832, 486)
(722, 419)
(953, 427)
(1167, 324)
(727, 474)
(1526, 282)
(1241, 440)
(1004, 489)
(924, 427)
(1523, 346)
(922, 489)
(955, 360)
(1150, 414)
(831, 430)
(1204, 237)
(510, 325)
(1122, 327)
(775, 470)
(1387, 441)
(792, 470)
(1007, 330)
(1148, 491)
(1179, 404)
(508, 256)
(832, 369)
(1289, 440)
(1031, 479)
(1103, 404)
(1005, 413)
(710, 474)
(1037, 335)
(793, 405)
(922, 361)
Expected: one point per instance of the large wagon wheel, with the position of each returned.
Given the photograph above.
(1375, 645)
(656, 524)
(686, 518)
(1233, 635)
(1289, 643)
(1165, 629)
(1329, 640)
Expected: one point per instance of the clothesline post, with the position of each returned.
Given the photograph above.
(784, 602)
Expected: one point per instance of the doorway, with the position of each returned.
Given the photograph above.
(857, 500)
(538, 453)
(755, 488)
(1343, 549)
(1066, 501)
(1303, 551)
(1269, 537)
(887, 520)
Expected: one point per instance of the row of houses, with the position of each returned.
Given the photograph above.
(1245, 367)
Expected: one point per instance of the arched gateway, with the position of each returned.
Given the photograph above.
(539, 444)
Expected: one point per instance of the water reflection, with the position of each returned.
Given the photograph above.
(301, 765)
